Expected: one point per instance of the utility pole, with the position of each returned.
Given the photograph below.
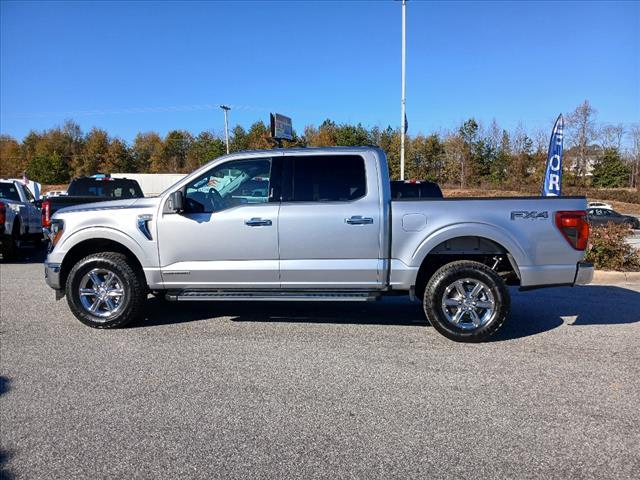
(403, 121)
(226, 108)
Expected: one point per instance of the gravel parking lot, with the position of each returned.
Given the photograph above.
(319, 390)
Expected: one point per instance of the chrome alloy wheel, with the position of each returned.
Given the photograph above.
(468, 303)
(101, 293)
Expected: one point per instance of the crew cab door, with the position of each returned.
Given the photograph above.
(227, 237)
(31, 217)
(330, 223)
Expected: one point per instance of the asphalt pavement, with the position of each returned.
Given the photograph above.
(262, 390)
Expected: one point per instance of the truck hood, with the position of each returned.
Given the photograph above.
(141, 203)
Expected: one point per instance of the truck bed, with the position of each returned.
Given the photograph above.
(524, 226)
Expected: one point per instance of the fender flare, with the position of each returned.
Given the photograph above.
(470, 229)
(106, 233)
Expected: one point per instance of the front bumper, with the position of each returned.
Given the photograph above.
(52, 275)
(584, 273)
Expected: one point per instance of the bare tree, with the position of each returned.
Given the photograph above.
(612, 135)
(540, 141)
(582, 133)
(494, 134)
(635, 156)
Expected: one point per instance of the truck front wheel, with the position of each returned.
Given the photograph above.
(466, 301)
(104, 291)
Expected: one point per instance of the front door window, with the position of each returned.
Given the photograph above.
(229, 185)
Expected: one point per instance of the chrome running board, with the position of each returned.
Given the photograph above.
(270, 296)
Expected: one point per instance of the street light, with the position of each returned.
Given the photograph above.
(226, 108)
(403, 113)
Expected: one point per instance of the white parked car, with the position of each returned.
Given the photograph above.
(600, 205)
(19, 217)
(55, 193)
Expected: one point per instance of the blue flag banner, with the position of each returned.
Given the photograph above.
(552, 186)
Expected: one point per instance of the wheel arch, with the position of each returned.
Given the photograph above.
(95, 245)
(480, 248)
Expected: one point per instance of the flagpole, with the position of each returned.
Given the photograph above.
(402, 103)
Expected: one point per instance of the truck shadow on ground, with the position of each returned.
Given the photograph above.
(532, 312)
(26, 255)
(5, 455)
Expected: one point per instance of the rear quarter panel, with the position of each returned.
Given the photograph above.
(541, 253)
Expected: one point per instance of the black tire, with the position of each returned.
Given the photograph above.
(10, 242)
(445, 278)
(133, 286)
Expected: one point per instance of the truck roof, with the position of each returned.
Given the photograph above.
(306, 150)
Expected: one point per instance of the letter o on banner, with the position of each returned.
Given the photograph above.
(555, 163)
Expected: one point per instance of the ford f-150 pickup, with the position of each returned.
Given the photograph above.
(314, 225)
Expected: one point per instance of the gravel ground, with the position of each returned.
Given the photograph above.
(319, 390)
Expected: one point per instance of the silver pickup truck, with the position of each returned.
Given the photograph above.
(313, 225)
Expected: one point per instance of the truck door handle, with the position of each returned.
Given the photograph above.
(258, 222)
(359, 220)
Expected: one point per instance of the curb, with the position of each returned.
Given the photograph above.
(608, 277)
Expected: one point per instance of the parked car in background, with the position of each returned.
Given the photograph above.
(602, 216)
(600, 205)
(54, 193)
(282, 225)
(19, 217)
(94, 189)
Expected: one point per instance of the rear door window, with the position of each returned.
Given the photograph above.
(328, 178)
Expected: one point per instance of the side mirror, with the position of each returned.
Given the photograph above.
(37, 203)
(175, 203)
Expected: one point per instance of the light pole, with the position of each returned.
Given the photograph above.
(403, 121)
(226, 108)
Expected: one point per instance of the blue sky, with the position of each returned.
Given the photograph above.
(130, 67)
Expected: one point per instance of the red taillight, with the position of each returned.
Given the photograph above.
(46, 214)
(3, 213)
(574, 227)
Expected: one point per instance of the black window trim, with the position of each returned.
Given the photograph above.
(291, 158)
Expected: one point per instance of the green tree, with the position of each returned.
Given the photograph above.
(119, 158)
(239, 140)
(352, 136)
(12, 160)
(610, 171)
(259, 137)
(500, 167)
(326, 135)
(389, 141)
(175, 149)
(426, 158)
(146, 150)
(468, 133)
(205, 147)
(48, 169)
(94, 155)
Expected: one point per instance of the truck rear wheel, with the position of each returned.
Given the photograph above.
(104, 291)
(466, 301)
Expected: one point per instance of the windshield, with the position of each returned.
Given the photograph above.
(9, 192)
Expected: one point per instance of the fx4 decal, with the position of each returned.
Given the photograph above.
(533, 215)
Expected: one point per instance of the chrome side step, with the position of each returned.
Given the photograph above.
(267, 296)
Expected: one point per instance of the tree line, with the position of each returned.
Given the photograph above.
(471, 155)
